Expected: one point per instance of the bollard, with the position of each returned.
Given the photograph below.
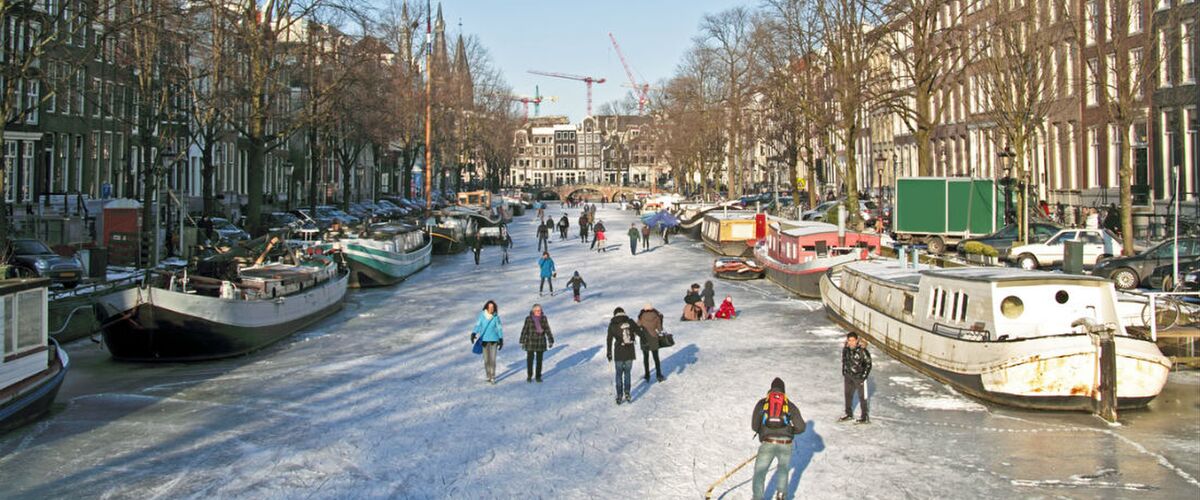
(1106, 354)
(916, 258)
(902, 253)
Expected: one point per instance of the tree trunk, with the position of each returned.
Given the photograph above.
(409, 156)
(149, 223)
(347, 186)
(4, 206)
(1125, 180)
(852, 214)
(256, 159)
(207, 172)
(314, 165)
(923, 133)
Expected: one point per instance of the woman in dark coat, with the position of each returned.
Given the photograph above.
(535, 339)
(651, 322)
(710, 303)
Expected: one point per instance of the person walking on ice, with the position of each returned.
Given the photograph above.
(548, 272)
(620, 348)
(575, 283)
(856, 367)
(563, 226)
(535, 339)
(645, 237)
(651, 322)
(583, 227)
(490, 332)
(634, 236)
(543, 235)
(776, 421)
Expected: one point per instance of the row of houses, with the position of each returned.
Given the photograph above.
(600, 149)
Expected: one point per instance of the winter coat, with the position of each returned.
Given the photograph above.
(651, 322)
(856, 363)
(490, 329)
(621, 338)
(543, 232)
(645, 232)
(531, 340)
(788, 432)
(547, 265)
(576, 282)
(634, 234)
(709, 302)
(726, 311)
(563, 224)
(598, 227)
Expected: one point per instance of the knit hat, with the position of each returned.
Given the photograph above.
(777, 385)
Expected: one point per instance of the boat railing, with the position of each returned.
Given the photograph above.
(969, 334)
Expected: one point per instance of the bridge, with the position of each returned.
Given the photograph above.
(608, 191)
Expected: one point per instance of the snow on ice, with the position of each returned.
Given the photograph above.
(385, 399)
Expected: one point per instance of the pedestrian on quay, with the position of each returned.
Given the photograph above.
(490, 332)
(776, 421)
(619, 348)
(634, 236)
(543, 235)
(599, 240)
(645, 237)
(546, 264)
(710, 303)
(856, 367)
(535, 339)
(563, 226)
(651, 322)
(575, 283)
(477, 247)
(583, 227)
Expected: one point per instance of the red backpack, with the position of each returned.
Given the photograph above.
(776, 413)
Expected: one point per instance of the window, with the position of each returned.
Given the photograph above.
(32, 98)
(52, 78)
(962, 308)
(1110, 83)
(1135, 16)
(78, 92)
(1093, 70)
(1187, 38)
(96, 91)
(954, 308)
(1070, 69)
(1164, 49)
(1135, 66)
(77, 152)
(31, 319)
(1092, 19)
(908, 303)
(941, 303)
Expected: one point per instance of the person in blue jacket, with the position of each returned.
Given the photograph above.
(490, 331)
(548, 272)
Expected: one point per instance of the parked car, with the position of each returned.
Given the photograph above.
(865, 209)
(278, 221)
(1130, 272)
(818, 212)
(307, 217)
(227, 232)
(1004, 239)
(1098, 244)
(32, 257)
(393, 210)
(337, 215)
(1189, 271)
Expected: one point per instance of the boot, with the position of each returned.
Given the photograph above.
(619, 400)
(627, 398)
(646, 377)
(846, 418)
(661, 378)
(864, 420)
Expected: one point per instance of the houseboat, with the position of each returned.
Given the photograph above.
(182, 317)
(729, 233)
(453, 231)
(385, 254)
(1003, 335)
(795, 254)
(33, 366)
(737, 268)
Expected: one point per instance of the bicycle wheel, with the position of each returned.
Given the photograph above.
(1164, 316)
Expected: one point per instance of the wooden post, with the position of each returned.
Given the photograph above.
(1107, 408)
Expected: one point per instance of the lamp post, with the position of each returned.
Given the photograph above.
(1005, 157)
(880, 161)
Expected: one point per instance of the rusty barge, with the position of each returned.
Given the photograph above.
(1003, 335)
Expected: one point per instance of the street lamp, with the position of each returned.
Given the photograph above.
(880, 160)
(1006, 163)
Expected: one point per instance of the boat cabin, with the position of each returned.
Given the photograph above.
(731, 226)
(477, 199)
(23, 304)
(984, 304)
(404, 238)
(798, 242)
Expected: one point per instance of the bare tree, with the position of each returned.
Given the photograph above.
(728, 36)
(1015, 72)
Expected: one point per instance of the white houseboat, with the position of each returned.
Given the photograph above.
(32, 366)
(1000, 334)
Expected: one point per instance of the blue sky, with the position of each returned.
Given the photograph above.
(572, 37)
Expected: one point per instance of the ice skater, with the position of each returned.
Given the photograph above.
(575, 283)
(490, 332)
(583, 227)
(634, 236)
(548, 272)
(543, 235)
(651, 321)
(856, 367)
(505, 244)
(710, 303)
(477, 247)
(776, 421)
(535, 339)
(563, 226)
(599, 240)
(645, 237)
(619, 349)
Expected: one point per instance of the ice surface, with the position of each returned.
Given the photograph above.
(385, 399)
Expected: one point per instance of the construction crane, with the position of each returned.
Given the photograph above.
(589, 80)
(527, 100)
(642, 90)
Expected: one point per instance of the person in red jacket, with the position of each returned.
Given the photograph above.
(726, 311)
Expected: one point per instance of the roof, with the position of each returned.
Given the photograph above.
(730, 215)
(1002, 274)
(807, 228)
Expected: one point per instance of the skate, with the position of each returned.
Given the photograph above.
(619, 400)
(627, 398)
(864, 420)
(661, 378)
(846, 418)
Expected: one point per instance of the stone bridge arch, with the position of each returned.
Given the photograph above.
(609, 192)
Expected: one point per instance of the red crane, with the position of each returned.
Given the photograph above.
(526, 100)
(589, 80)
(641, 89)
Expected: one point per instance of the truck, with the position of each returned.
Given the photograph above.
(941, 211)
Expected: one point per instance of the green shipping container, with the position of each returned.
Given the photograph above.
(946, 205)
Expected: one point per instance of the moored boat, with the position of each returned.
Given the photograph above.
(385, 255)
(737, 268)
(1002, 335)
(453, 232)
(730, 233)
(795, 254)
(32, 365)
(191, 318)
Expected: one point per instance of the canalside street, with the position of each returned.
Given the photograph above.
(385, 399)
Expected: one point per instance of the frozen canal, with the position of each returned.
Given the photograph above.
(385, 399)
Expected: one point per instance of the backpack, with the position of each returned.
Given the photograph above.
(776, 413)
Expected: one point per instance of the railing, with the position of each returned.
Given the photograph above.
(968, 334)
(1167, 309)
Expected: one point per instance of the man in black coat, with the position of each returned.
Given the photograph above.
(776, 421)
(856, 367)
(563, 226)
(543, 234)
(621, 348)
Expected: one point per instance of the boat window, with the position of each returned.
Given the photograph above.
(29, 319)
(908, 303)
(1012, 307)
(962, 312)
(933, 299)
(954, 308)
(8, 330)
(942, 304)
(1062, 297)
